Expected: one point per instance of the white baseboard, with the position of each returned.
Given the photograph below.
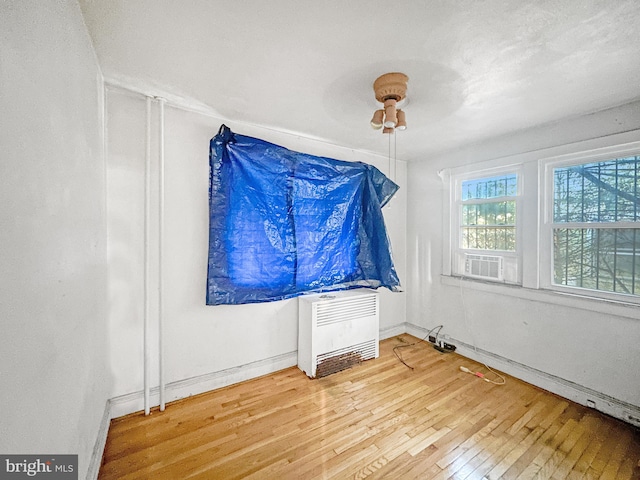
(565, 388)
(394, 330)
(134, 402)
(101, 441)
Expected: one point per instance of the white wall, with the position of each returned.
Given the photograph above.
(53, 351)
(572, 344)
(200, 341)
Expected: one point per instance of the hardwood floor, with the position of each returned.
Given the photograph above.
(376, 420)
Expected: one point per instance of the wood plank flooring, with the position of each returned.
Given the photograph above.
(376, 420)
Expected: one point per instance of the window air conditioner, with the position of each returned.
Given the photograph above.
(483, 266)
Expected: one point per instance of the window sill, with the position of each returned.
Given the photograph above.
(593, 304)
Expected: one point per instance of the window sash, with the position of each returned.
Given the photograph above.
(597, 191)
(496, 231)
(600, 259)
(611, 280)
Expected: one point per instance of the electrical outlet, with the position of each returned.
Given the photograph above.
(432, 338)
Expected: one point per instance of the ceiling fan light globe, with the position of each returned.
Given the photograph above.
(390, 117)
(377, 120)
(402, 120)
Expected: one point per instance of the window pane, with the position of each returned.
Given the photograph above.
(498, 213)
(494, 187)
(600, 259)
(489, 238)
(597, 192)
(489, 226)
(486, 211)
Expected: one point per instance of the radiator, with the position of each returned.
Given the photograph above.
(337, 330)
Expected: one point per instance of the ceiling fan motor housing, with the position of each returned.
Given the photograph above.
(391, 86)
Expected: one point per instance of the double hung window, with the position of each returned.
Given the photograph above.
(486, 221)
(569, 223)
(596, 225)
(489, 213)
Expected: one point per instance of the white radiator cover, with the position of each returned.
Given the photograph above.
(337, 330)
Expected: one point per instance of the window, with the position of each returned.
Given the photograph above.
(489, 213)
(568, 222)
(596, 225)
(486, 211)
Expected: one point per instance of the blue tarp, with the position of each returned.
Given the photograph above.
(284, 223)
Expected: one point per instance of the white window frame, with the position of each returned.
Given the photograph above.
(534, 222)
(512, 260)
(547, 223)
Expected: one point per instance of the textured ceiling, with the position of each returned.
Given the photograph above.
(477, 68)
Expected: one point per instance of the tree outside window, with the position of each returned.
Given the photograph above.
(596, 219)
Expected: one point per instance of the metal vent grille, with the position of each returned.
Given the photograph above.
(341, 359)
(344, 310)
(484, 266)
